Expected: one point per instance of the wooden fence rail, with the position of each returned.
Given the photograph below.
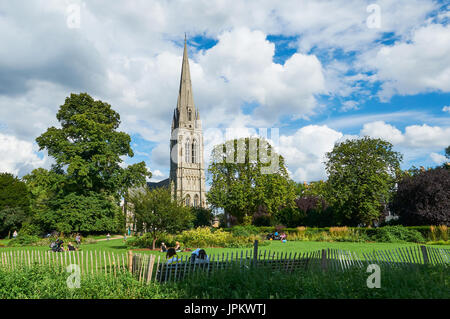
(151, 268)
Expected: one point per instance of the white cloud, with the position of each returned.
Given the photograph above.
(379, 129)
(438, 158)
(416, 65)
(305, 150)
(19, 157)
(446, 109)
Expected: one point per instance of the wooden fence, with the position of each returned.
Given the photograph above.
(149, 268)
(90, 262)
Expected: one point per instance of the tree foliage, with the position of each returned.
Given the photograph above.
(156, 212)
(14, 203)
(247, 174)
(424, 198)
(202, 216)
(89, 148)
(361, 177)
(82, 190)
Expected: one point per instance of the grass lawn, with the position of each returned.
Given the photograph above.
(119, 246)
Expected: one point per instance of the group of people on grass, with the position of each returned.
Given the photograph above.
(197, 256)
(58, 245)
(276, 236)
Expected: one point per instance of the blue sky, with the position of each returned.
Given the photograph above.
(319, 71)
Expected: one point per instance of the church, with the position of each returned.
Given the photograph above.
(187, 171)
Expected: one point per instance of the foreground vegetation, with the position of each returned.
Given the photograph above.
(418, 282)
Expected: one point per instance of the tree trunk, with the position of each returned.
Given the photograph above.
(154, 242)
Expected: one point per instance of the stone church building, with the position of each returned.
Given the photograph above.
(187, 168)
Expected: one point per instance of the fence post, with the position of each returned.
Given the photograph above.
(425, 254)
(130, 261)
(255, 252)
(324, 259)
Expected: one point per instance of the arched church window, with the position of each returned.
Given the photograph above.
(196, 201)
(187, 153)
(195, 152)
(188, 200)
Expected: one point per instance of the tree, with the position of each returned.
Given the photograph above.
(156, 212)
(361, 177)
(447, 152)
(424, 198)
(247, 174)
(202, 216)
(14, 203)
(89, 148)
(88, 177)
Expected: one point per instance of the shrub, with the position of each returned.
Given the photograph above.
(146, 241)
(23, 240)
(244, 231)
(204, 237)
(392, 234)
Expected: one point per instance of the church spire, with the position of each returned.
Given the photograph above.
(185, 97)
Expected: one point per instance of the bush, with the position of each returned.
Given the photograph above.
(204, 237)
(392, 234)
(245, 231)
(146, 241)
(23, 240)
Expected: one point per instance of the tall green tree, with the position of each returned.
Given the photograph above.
(14, 203)
(88, 179)
(247, 174)
(156, 212)
(361, 177)
(89, 148)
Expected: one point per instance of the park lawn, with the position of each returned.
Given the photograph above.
(119, 246)
(305, 246)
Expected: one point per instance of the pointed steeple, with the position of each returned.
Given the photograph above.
(185, 97)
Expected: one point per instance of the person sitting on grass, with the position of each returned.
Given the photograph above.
(172, 257)
(177, 247)
(163, 248)
(70, 247)
(199, 256)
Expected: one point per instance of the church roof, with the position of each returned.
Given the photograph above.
(163, 183)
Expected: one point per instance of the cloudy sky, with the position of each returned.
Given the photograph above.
(318, 71)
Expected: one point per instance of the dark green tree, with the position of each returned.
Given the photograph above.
(247, 175)
(88, 179)
(202, 216)
(157, 213)
(361, 177)
(89, 148)
(14, 203)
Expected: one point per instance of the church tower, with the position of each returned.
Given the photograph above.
(187, 171)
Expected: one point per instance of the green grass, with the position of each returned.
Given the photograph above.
(119, 246)
(419, 282)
